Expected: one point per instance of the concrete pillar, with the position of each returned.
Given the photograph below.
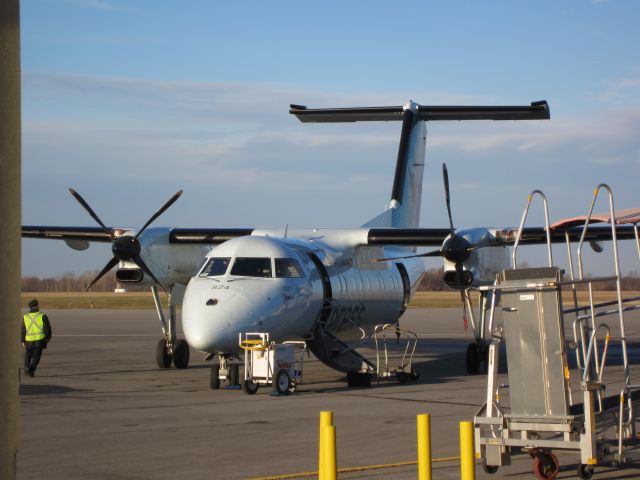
(10, 221)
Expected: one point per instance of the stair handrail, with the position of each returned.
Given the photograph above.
(546, 226)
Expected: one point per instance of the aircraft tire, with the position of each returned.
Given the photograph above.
(234, 374)
(473, 360)
(181, 354)
(163, 358)
(215, 376)
(283, 382)
(402, 377)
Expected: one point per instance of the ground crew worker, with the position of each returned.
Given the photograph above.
(36, 333)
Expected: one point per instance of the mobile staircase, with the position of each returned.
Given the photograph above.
(549, 406)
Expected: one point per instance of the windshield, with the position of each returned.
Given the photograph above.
(287, 268)
(215, 267)
(251, 267)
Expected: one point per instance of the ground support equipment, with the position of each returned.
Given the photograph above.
(541, 414)
(270, 363)
(404, 372)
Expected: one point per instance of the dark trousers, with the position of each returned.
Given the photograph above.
(32, 358)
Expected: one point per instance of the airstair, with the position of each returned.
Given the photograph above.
(546, 406)
(344, 357)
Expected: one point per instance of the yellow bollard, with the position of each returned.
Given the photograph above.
(424, 447)
(330, 463)
(326, 420)
(467, 454)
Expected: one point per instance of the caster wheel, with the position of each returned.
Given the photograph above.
(490, 469)
(585, 471)
(547, 468)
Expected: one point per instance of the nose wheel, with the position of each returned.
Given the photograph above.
(225, 371)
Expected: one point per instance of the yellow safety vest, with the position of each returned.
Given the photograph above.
(35, 326)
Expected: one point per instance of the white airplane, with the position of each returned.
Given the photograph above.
(327, 287)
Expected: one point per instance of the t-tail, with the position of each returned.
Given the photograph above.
(406, 195)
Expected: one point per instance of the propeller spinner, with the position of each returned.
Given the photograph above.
(125, 248)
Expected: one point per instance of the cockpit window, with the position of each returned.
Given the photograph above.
(215, 267)
(251, 267)
(287, 268)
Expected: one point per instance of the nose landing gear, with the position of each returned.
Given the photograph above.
(225, 371)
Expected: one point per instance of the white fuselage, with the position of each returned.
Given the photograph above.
(333, 273)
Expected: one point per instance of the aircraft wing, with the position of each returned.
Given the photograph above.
(430, 237)
(419, 237)
(207, 236)
(92, 234)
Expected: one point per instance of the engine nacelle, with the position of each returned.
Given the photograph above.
(451, 279)
(129, 275)
(483, 263)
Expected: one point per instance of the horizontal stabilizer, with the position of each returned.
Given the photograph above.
(535, 111)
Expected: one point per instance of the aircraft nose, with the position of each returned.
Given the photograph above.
(211, 318)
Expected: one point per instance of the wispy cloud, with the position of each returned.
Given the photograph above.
(102, 5)
(622, 91)
(237, 140)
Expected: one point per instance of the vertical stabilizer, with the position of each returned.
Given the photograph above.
(406, 196)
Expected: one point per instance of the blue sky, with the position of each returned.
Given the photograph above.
(128, 102)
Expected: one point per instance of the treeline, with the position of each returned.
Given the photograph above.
(72, 282)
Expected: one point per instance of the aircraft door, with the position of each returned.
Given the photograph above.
(326, 287)
(406, 286)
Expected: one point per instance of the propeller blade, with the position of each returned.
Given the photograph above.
(167, 204)
(138, 261)
(434, 253)
(112, 263)
(86, 206)
(445, 178)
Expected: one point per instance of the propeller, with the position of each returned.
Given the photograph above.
(455, 248)
(124, 247)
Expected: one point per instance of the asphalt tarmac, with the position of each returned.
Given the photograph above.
(99, 408)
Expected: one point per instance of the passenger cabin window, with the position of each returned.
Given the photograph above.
(287, 268)
(251, 267)
(215, 267)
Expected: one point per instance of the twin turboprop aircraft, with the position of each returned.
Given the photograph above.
(327, 287)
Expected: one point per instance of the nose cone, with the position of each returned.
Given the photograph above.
(212, 317)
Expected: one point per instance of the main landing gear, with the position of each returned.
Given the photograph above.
(477, 354)
(170, 349)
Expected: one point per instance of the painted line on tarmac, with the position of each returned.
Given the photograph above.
(354, 469)
(105, 335)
